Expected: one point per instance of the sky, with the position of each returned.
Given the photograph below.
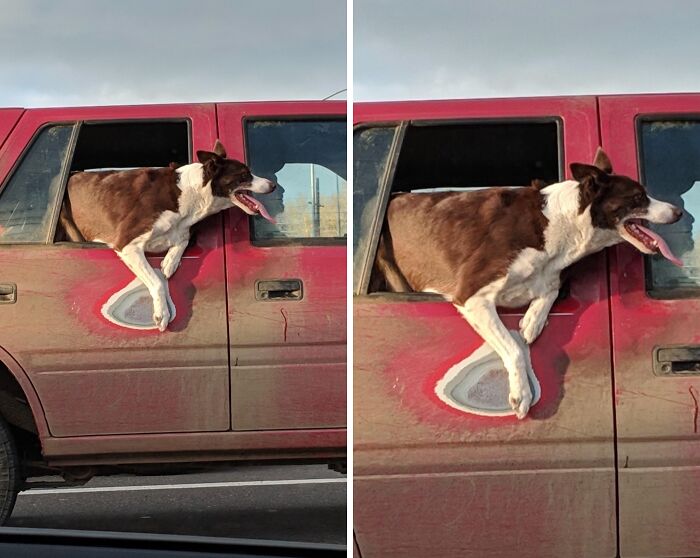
(415, 49)
(97, 52)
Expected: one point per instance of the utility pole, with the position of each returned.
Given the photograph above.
(315, 204)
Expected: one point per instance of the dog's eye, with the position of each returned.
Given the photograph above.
(639, 199)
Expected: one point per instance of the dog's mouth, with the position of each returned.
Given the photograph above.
(648, 241)
(251, 206)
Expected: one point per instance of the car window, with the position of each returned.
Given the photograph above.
(671, 172)
(371, 152)
(307, 160)
(126, 145)
(28, 200)
(441, 156)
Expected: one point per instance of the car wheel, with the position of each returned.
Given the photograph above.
(10, 478)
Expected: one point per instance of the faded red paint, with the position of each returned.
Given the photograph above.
(656, 416)
(413, 452)
(170, 392)
(431, 480)
(285, 346)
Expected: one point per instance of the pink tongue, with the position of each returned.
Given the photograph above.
(260, 208)
(663, 247)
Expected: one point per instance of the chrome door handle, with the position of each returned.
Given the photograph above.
(8, 293)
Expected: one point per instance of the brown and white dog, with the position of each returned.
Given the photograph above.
(152, 210)
(508, 246)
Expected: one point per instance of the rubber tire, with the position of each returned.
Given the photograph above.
(10, 478)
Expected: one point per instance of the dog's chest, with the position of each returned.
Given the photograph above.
(172, 228)
(532, 274)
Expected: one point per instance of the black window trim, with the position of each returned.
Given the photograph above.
(385, 189)
(281, 242)
(663, 293)
(383, 193)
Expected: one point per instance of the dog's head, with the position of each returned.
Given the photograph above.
(621, 204)
(233, 180)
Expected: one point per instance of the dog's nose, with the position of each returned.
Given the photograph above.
(677, 214)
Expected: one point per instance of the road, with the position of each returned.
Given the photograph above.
(300, 503)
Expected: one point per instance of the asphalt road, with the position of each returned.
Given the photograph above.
(298, 503)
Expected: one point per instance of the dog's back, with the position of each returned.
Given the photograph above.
(117, 206)
(456, 242)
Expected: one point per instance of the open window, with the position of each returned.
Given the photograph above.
(438, 156)
(31, 197)
(126, 145)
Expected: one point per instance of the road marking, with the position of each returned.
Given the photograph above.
(37, 491)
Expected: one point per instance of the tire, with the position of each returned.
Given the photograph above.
(10, 478)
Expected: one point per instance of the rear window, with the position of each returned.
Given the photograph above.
(308, 160)
(670, 169)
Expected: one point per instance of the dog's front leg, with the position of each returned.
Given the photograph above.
(481, 313)
(535, 317)
(136, 261)
(172, 258)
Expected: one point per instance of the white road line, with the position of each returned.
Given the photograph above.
(36, 491)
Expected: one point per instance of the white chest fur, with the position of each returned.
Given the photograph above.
(569, 236)
(195, 203)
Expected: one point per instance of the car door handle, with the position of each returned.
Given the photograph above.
(677, 360)
(8, 293)
(279, 289)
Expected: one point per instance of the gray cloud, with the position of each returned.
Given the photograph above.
(411, 49)
(78, 52)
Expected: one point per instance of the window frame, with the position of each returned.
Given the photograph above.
(300, 241)
(665, 293)
(384, 191)
(65, 170)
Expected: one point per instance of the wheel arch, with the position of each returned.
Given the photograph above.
(13, 378)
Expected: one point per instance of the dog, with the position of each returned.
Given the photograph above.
(152, 210)
(508, 246)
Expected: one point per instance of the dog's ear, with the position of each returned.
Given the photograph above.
(204, 156)
(211, 163)
(602, 161)
(592, 180)
(582, 172)
(219, 149)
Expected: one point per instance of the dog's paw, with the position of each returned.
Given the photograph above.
(520, 400)
(161, 318)
(531, 327)
(168, 267)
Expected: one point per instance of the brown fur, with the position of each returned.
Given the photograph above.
(445, 241)
(118, 206)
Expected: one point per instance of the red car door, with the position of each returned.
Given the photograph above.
(433, 480)
(287, 281)
(656, 329)
(93, 376)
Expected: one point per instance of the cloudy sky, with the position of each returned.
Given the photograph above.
(412, 49)
(91, 52)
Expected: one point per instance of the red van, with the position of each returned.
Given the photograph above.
(253, 367)
(607, 463)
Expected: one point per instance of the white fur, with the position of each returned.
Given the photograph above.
(656, 212)
(534, 278)
(171, 232)
(659, 212)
